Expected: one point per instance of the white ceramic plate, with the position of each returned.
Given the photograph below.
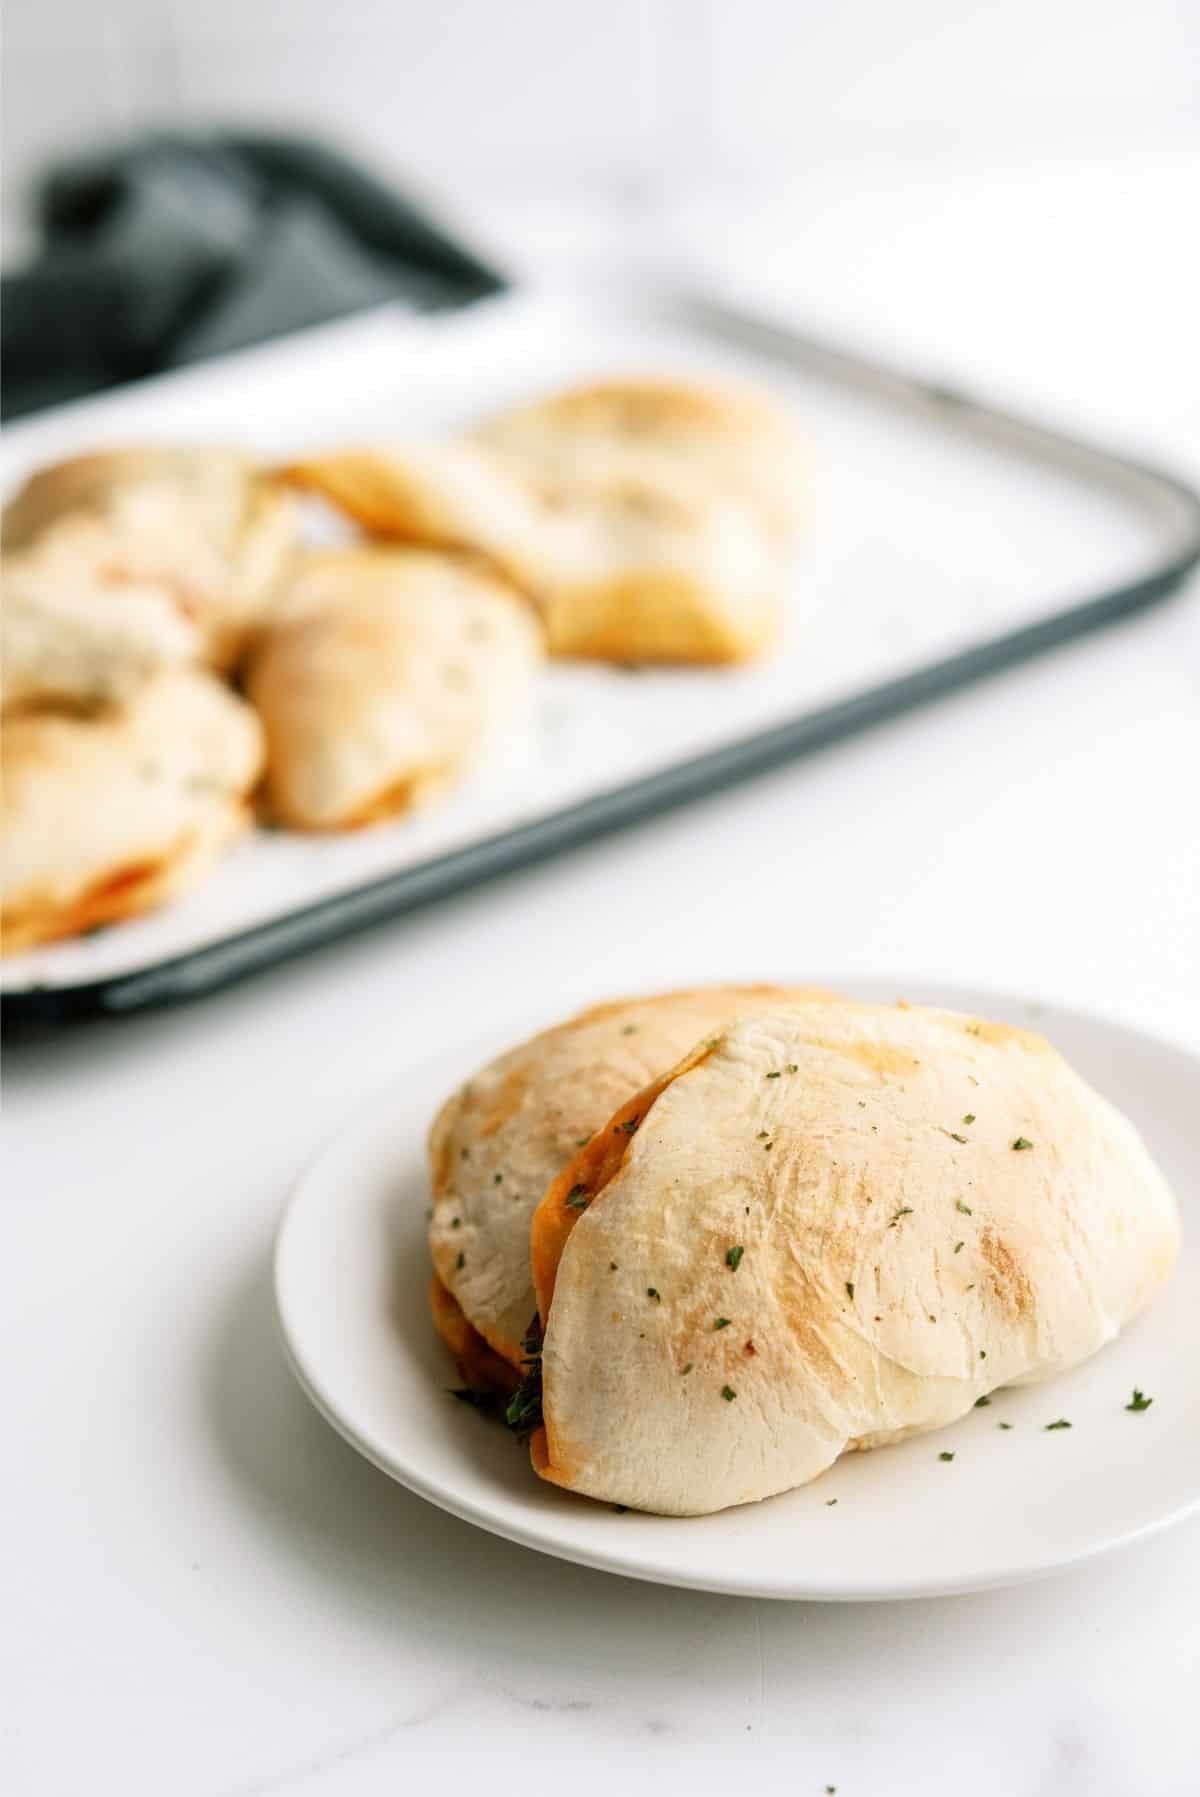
(351, 1280)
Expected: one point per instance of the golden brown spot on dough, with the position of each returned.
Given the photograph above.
(1001, 1034)
(553, 1457)
(506, 1101)
(598, 1013)
(620, 1007)
(442, 1161)
(402, 795)
(651, 614)
(803, 1305)
(60, 705)
(358, 484)
(1009, 1281)
(876, 1057)
(539, 1452)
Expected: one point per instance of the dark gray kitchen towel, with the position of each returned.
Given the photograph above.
(177, 248)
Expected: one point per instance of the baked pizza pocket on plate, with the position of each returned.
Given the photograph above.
(829, 1227)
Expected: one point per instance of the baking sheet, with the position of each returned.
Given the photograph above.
(944, 540)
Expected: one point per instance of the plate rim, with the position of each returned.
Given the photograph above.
(362, 1119)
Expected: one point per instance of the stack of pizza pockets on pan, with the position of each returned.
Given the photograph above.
(635, 521)
(171, 647)
(699, 1246)
(168, 642)
(133, 580)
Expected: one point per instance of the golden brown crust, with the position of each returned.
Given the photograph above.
(648, 521)
(369, 486)
(623, 563)
(734, 437)
(653, 615)
(204, 528)
(74, 631)
(81, 483)
(107, 815)
(387, 675)
(215, 482)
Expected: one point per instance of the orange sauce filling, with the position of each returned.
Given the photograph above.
(481, 1367)
(583, 1180)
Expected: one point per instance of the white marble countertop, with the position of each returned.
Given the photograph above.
(203, 1591)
